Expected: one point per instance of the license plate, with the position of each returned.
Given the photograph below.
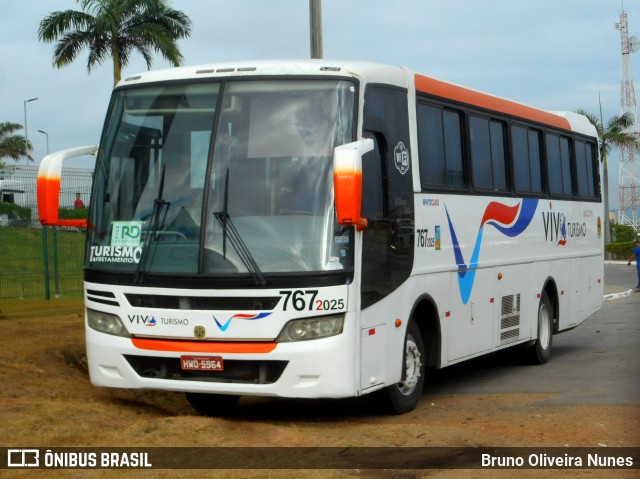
(202, 363)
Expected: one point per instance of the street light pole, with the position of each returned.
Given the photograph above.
(315, 20)
(47, 135)
(26, 133)
(56, 269)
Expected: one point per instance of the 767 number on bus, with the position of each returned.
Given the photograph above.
(302, 300)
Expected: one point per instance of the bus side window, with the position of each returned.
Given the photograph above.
(527, 166)
(440, 146)
(586, 169)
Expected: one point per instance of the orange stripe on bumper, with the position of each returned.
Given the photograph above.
(202, 346)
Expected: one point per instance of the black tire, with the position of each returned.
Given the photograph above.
(404, 396)
(540, 351)
(212, 405)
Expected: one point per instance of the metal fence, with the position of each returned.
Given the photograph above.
(40, 268)
(18, 185)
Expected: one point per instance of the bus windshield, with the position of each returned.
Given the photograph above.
(221, 178)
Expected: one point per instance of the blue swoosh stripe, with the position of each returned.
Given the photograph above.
(467, 274)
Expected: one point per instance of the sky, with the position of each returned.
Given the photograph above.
(552, 54)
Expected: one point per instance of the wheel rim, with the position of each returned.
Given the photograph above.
(544, 326)
(413, 366)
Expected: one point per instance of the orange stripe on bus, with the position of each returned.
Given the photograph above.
(489, 102)
(202, 346)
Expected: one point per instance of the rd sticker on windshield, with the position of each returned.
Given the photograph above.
(126, 233)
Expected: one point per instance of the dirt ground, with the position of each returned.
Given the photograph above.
(46, 400)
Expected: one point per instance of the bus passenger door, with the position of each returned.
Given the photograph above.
(387, 244)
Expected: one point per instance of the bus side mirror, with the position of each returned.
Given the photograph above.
(49, 175)
(347, 182)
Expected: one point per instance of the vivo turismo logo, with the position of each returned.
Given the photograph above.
(152, 320)
(557, 229)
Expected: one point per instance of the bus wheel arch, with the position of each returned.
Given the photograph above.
(425, 314)
(421, 349)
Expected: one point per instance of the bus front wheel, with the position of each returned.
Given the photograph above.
(212, 405)
(404, 396)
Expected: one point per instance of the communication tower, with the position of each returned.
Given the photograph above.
(629, 177)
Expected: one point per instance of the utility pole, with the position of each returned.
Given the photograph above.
(26, 131)
(315, 17)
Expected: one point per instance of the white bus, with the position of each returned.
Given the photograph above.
(320, 229)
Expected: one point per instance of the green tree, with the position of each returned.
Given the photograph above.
(12, 145)
(615, 135)
(116, 29)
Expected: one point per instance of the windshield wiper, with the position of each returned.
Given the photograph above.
(229, 230)
(159, 204)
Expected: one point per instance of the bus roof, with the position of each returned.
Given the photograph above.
(317, 67)
(369, 72)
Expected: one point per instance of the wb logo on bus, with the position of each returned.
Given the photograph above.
(126, 233)
(401, 158)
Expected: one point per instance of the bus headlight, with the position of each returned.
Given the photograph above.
(106, 323)
(311, 328)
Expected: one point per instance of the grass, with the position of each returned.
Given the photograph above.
(16, 308)
(22, 276)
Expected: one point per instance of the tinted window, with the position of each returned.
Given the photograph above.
(534, 161)
(520, 150)
(590, 169)
(453, 148)
(559, 165)
(527, 167)
(387, 244)
(554, 166)
(585, 169)
(440, 146)
(565, 162)
(480, 152)
(487, 154)
(498, 158)
(431, 146)
(372, 182)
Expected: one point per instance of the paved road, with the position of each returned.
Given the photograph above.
(621, 275)
(596, 363)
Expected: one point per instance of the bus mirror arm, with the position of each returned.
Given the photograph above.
(347, 182)
(49, 175)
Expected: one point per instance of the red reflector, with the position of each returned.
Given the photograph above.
(538, 296)
(491, 300)
(447, 314)
(372, 331)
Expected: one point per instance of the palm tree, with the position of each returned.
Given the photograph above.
(116, 28)
(616, 134)
(11, 145)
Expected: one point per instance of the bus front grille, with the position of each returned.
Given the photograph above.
(235, 371)
(203, 303)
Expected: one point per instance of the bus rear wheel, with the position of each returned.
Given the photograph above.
(540, 351)
(212, 405)
(404, 396)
